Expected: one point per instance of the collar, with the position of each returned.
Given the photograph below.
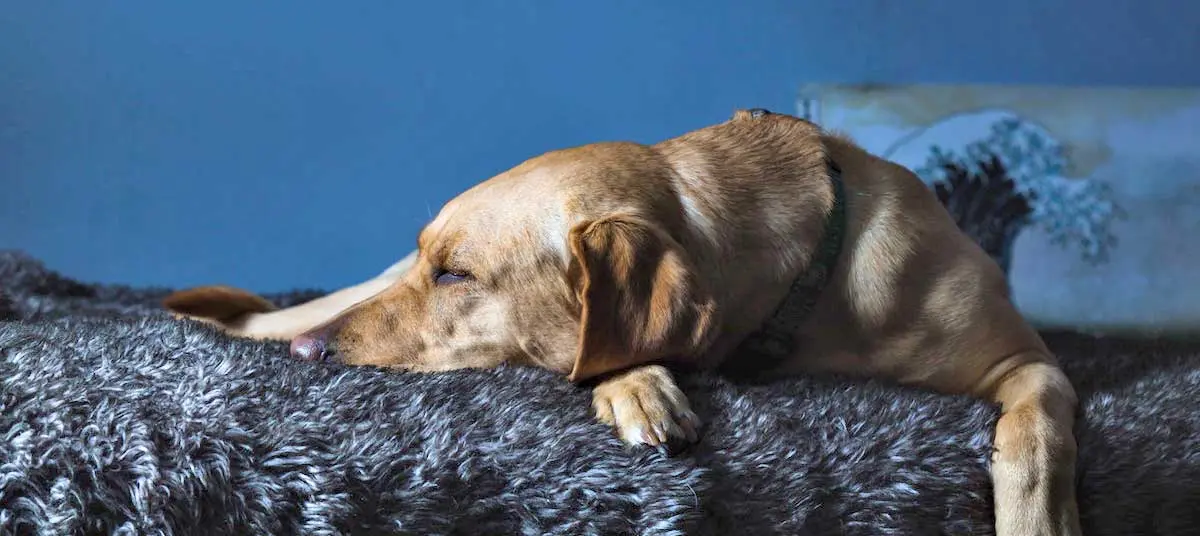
(776, 339)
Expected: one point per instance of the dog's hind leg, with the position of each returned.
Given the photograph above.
(245, 314)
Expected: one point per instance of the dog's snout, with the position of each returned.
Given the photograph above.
(319, 343)
(312, 347)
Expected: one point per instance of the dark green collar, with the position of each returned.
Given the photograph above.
(775, 340)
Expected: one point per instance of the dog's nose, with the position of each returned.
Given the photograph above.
(311, 347)
(317, 344)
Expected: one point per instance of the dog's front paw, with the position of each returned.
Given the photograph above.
(647, 408)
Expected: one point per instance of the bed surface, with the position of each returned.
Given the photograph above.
(116, 418)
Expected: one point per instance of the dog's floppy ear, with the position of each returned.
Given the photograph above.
(640, 296)
(217, 302)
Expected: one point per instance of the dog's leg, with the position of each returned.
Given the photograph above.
(1033, 464)
(284, 324)
(280, 324)
(646, 407)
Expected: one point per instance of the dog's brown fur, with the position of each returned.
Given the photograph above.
(608, 261)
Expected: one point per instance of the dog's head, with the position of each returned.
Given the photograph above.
(569, 261)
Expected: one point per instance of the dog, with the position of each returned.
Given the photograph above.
(762, 246)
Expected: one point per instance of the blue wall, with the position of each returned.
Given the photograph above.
(280, 144)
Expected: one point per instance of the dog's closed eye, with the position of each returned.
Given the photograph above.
(442, 276)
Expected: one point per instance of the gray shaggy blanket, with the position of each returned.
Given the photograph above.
(115, 418)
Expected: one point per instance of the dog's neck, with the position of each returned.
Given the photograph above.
(775, 340)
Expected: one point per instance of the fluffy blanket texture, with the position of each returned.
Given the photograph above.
(115, 418)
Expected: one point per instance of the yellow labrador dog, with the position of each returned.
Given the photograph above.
(759, 245)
